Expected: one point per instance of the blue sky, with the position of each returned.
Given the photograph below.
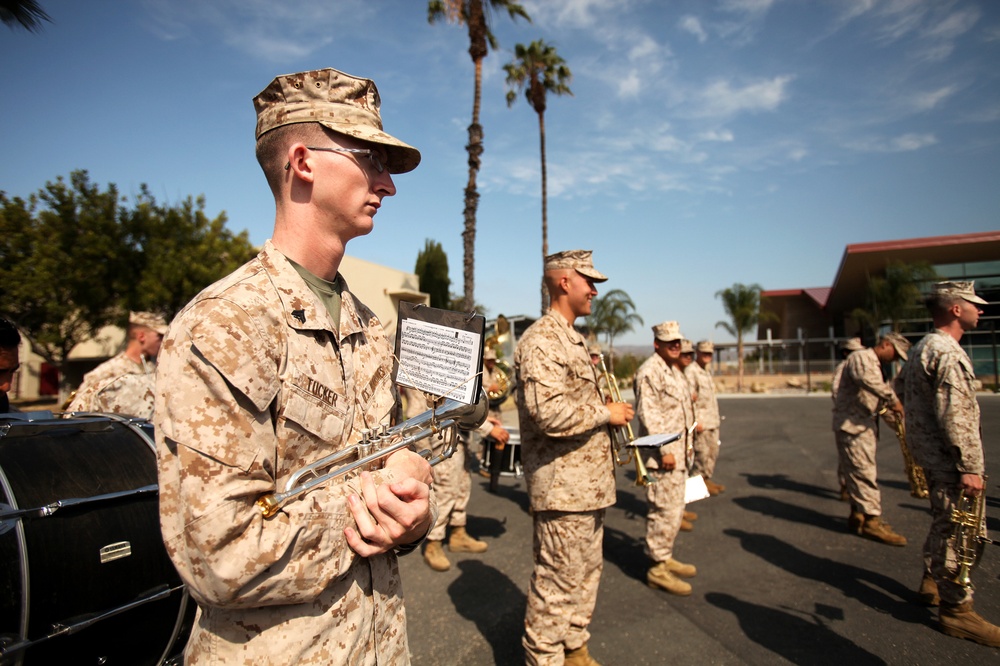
(708, 142)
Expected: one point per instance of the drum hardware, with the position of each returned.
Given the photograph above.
(9, 514)
(75, 624)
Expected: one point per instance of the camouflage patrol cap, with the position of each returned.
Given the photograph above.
(340, 102)
(578, 260)
(899, 343)
(686, 346)
(150, 320)
(668, 331)
(964, 290)
(705, 347)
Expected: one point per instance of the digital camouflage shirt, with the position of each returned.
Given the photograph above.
(859, 393)
(255, 382)
(706, 405)
(117, 386)
(565, 446)
(937, 384)
(664, 407)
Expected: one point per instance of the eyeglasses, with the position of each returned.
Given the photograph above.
(373, 157)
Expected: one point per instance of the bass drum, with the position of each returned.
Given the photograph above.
(85, 578)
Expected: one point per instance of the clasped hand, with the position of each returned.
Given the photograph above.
(391, 514)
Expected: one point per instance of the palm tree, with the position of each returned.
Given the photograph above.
(538, 70)
(612, 314)
(26, 14)
(476, 15)
(894, 296)
(742, 303)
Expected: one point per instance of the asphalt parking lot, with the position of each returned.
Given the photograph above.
(779, 578)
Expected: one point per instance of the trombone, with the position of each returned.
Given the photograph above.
(622, 436)
(380, 443)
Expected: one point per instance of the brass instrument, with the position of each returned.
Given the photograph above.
(503, 372)
(378, 444)
(967, 535)
(622, 436)
(914, 472)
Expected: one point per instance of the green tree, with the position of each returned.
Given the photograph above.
(894, 296)
(77, 258)
(538, 70)
(475, 15)
(742, 303)
(612, 315)
(432, 270)
(26, 14)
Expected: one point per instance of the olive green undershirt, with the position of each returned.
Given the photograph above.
(327, 292)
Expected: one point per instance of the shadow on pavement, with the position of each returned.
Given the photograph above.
(797, 639)
(495, 604)
(783, 482)
(626, 552)
(769, 506)
(874, 590)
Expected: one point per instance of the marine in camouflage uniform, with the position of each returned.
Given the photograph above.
(706, 410)
(944, 433)
(271, 369)
(126, 383)
(861, 392)
(846, 348)
(566, 452)
(664, 406)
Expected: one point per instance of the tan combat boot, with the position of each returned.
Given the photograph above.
(690, 516)
(434, 556)
(855, 522)
(461, 542)
(877, 529)
(579, 657)
(927, 594)
(963, 622)
(681, 569)
(714, 488)
(686, 526)
(662, 577)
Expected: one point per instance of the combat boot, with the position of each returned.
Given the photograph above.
(877, 529)
(714, 488)
(927, 594)
(662, 577)
(579, 657)
(681, 569)
(461, 542)
(690, 516)
(855, 522)
(434, 556)
(963, 622)
(686, 526)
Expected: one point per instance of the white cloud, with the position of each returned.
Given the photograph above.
(929, 100)
(724, 136)
(692, 25)
(748, 6)
(573, 13)
(630, 85)
(955, 24)
(720, 98)
(900, 144)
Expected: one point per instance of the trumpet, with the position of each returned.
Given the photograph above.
(622, 436)
(914, 472)
(967, 537)
(381, 443)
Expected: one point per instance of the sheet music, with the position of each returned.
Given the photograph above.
(656, 440)
(439, 359)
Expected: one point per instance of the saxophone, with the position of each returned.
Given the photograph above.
(914, 472)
